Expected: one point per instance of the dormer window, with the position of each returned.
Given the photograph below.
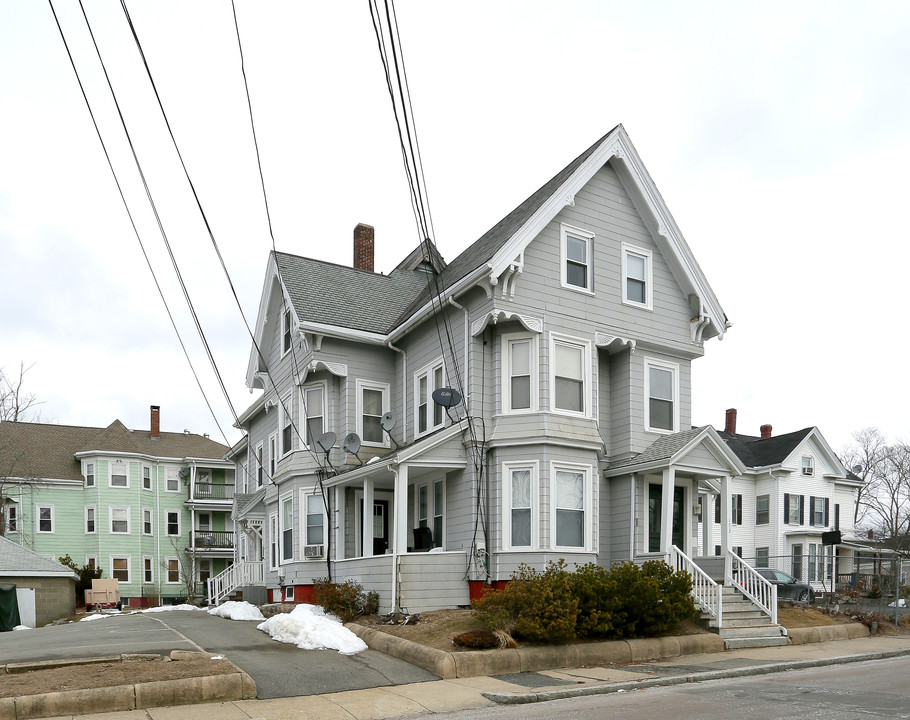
(808, 466)
(577, 258)
(636, 277)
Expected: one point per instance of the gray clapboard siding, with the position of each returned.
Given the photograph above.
(373, 573)
(432, 581)
(621, 517)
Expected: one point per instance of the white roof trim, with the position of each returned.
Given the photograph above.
(830, 456)
(617, 149)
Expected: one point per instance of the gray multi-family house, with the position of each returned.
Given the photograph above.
(567, 332)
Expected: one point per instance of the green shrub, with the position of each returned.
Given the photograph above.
(86, 574)
(347, 600)
(535, 606)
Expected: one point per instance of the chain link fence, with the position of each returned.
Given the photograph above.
(865, 582)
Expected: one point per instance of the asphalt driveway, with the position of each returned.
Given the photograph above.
(279, 669)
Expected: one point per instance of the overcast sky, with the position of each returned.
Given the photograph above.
(778, 134)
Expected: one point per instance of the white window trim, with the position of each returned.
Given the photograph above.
(274, 539)
(803, 466)
(167, 570)
(649, 276)
(179, 524)
(129, 566)
(167, 473)
(428, 371)
(588, 505)
(257, 462)
(110, 474)
(10, 523)
(110, 520)
(151, 513)
(287, 497)
(506, 354)
(305, 414)
(507, 468)
(93, 474)
(588, 237)
(151, 483)
(285, 409)
(94, 510)
(674, 369)
(587, 371)
(38, 520)
(289, 593)
(89, 558)
(287, 328)
(274, 457)
(151, 564)
(384, 388)
(304, 493)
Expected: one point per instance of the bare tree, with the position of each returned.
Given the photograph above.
(865, 457)
(890, 503)
(15, 403)
(185, 568)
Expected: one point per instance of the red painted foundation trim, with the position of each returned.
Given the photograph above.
(478, 588)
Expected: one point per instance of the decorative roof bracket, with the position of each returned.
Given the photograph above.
(496, 315)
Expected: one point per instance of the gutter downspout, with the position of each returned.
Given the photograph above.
(158, 528)
(466, 387)
(404, 388)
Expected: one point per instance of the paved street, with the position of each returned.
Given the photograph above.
(279, 670)
(840, 692)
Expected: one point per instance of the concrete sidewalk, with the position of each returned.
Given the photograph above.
(477, 692)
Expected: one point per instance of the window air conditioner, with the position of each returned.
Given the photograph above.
(808, 470)
(313, 551)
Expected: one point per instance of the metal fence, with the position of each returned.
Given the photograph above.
(869, 582)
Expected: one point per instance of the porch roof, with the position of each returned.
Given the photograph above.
(677, 449)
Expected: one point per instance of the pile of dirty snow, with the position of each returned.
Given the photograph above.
(237, 610)
(309, 628)
(166, 608)
(98, 616)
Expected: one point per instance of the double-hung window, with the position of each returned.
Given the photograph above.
(315, 519)
(286, 423)
(761, 557)
(12, 519)
(571, 507)
(120, 568)
(372, 403)
(173, 570)
(90, 520)
(519, 383)
(577, 255)
(119, 474)
(148, 574)
(793, 509)
(273, 455)
(259, 467)
(430, 509)
(146, 478)
(173, 480)
(147, 526)
(636, 277)
(173, 522)
(429, 415)
(818, 511)
(120, 520)
(45, 518)
(89, 474)
(736, 508)
(285, 331)
(661, 396)
(519, 506)
(273, 541)
(762, 509)
(570, 370)
(313, 402)
(287, 529)
(807, 465)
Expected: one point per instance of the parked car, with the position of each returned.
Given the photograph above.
(788, 587)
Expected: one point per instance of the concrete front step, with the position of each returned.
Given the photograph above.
(739, 631)
(736, 643)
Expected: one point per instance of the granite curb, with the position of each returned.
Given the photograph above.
(506, 698)
(211, 688)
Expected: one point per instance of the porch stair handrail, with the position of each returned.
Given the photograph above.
(707, 593)
(237, 575)
(761, 592)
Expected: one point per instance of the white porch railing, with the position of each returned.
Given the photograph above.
(237, 575)
(706, 592)
(753, 585)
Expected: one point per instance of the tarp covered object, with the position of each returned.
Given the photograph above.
(9, 607)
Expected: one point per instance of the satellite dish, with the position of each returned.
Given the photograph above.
(326, 441)
(387, 421)
(351, 445)
(857, 469)
(446, 397)
(184, 472)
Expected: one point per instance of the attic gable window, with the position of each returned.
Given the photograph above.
(285, 331)
(807, 465)
(576, 258)
(637, 277)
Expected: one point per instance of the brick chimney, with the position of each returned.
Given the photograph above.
(730, 424)
(363, 247)
(155, 421)
(765, 432)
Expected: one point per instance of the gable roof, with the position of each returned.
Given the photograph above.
(17, 560)
(673, 448)
(45, 451)
(338, 296)
(758, 452)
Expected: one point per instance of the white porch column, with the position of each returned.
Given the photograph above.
(399, 527)
(707, 522)
(725, 500)
(666, 511)
(340, 514)
(366, 520)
